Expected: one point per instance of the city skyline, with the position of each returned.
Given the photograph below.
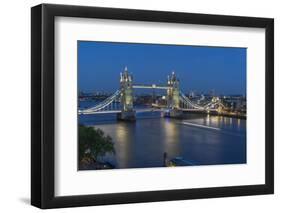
(199, 68)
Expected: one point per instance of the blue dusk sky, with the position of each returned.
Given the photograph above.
(199, 68)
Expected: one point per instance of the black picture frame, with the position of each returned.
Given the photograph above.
(43, 114)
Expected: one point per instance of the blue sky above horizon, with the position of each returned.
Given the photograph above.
(199, 68)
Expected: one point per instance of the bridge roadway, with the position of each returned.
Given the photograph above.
(118, 111)
(144, 110)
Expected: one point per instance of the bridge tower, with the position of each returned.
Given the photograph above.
(173, 96)
(173, 92)
(126, 86)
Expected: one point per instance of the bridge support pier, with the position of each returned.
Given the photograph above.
(126, 116)
(175, 113)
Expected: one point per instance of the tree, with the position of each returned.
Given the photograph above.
(94, 144)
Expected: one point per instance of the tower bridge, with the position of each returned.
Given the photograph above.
(176, 101)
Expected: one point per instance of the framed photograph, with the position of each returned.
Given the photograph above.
(139, 106)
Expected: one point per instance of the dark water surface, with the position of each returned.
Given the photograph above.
(204, 140)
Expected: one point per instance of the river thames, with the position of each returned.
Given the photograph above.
(203, 140)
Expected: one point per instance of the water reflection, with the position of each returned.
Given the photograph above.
(171, 137)
(238, 123)
(124, 138)
(142, 144)
(208, 120)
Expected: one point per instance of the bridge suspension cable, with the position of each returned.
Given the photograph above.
(196, 106)
(102, 104)
(189, 102)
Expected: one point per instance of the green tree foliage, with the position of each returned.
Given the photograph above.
(94, 144)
